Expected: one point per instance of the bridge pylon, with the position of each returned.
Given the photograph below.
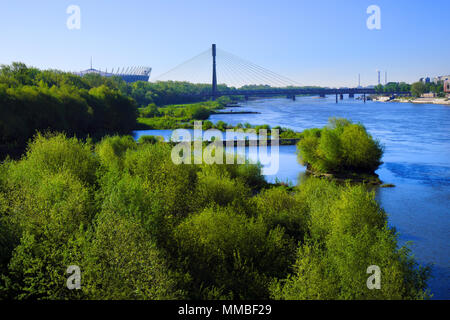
(214, 73)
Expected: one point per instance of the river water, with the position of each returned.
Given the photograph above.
(416, 161)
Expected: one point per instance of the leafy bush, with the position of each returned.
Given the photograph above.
(278, 208)
(112, 149)
(216, 187)
(150, 111)
(48, 215)
(150, 139)
(198, 112)
(55, 153)
(120, 261)
(231, 254)
(340, 147)
(141, 227)
(346, 238)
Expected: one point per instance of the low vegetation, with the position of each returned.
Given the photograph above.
(34, 100)
(341, 147)
(141, 227)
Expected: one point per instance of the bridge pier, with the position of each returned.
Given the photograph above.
(351, 95)
(336, 98)
(291, 97)
(364, 98)
(322, 95)
(341, 96)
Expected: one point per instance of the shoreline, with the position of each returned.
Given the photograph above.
(352, 177)
(437, 101)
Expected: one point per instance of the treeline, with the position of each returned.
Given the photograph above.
(140, 227)
(416, 89)
(33, 100)
(393, 87)
(169, 92)
(419, 88)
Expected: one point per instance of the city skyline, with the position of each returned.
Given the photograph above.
(326, 43)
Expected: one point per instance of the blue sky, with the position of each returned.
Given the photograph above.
(313, 42)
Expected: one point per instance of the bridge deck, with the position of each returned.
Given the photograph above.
(290, 92)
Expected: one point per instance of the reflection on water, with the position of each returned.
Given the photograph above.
(417, 161)
(189, 135)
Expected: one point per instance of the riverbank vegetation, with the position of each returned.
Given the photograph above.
(341, 148)
(34, 100)
(177, 116)
(141, 227)
(416, 89)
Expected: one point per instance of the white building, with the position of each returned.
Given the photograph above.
(441, 78)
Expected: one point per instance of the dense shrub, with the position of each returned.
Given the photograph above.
(111, 150)
(150, 139)
(277, 207)
(120, 261)
(141, 227)
(150, 111)
(340, 147)
(228, 253)
(347, 236)
(198, 113)
(32, 100)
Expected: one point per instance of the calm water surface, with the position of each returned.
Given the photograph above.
(416, 160)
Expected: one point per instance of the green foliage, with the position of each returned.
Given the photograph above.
(198, 113)
(224, 101)
(34, 100)
(396, 87)
(141, 227)
(229, 253)
(348, 235)
(120, 261)
(111, 150)
(418, 88)
(150, 111)
(48, 215)
(340, 147)
(150, 139)
(216, 187)
(55, 153)
(379, 88)
(278, 208)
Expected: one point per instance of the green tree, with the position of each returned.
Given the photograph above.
(340, 147)
(418, 88)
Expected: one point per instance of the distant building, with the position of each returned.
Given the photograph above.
(441, 79)
(129, 75)
(447, 86)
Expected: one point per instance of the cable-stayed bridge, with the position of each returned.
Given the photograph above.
(229, 74)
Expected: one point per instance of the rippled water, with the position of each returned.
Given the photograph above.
(416, 160)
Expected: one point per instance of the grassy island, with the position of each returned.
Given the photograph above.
(341, 150)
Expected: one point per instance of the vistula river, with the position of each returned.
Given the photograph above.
(416, 138)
